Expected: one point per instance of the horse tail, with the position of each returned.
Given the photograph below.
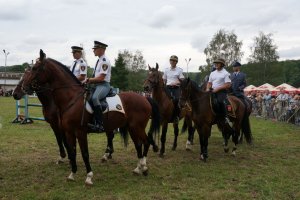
(124, 135)
(184, 126)
(155, 121)
(246, 129)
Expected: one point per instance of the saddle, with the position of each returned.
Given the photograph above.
(216, 107)
(104, 101)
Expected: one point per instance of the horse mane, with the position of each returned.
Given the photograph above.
(66, 69)
(195, 86)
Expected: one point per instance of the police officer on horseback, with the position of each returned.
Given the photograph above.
(218, 83)
(101, 79)
(171, 78)
(79, 66)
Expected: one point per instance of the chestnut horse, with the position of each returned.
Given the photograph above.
(68, 95)
(50, 112)
(204, 117)
(154, 83)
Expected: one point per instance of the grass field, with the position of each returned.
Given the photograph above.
(270, 169)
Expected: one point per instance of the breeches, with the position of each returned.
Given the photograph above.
(101, 92)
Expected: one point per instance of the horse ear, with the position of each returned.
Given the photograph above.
(149, 67)
(156, 66)
(42, 55)
(188, 79)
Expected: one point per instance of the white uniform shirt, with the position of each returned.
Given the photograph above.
(219, 78)
(79, 68)
(172, 75)
(103, 67)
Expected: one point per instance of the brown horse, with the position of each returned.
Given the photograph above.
(245, 101)
(154, 83)
(204, 117)
(50, 112)
(68, 95)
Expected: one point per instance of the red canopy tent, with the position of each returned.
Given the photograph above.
(286, 87)
(265, 86)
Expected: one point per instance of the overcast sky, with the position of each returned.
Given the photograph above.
(158, 28)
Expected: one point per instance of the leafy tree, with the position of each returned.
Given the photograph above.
(119, 77)
(224, 44)
(263, 50)
(134, 61)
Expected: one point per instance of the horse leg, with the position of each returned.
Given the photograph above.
(163, 139)
(205, 134)
(176, 131)
(59, 140)
(109, 148)
(191, 131)
(83, 143)
(226, 137)
(71, 139)
(235, 137)
(138, 147)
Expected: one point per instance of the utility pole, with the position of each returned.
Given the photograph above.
(5, 54)
(187, 66)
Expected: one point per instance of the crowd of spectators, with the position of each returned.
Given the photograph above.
(283, 106)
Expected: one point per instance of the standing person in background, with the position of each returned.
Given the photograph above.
(79, 66)
(267, 103)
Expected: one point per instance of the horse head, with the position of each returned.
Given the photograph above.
(35, 75)
(18, 93)
(185, 85)
(153, 78)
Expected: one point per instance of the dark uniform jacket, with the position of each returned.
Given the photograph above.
(238, 83)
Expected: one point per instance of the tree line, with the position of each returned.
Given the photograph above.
(129, 68)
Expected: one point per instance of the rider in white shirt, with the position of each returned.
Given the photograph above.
(171, 78)
(219, 82)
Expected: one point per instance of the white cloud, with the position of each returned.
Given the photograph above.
(163, 17)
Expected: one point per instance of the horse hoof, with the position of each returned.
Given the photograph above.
(145, 173)
(59, 161)
(161, 155)
(110, 156)
(226, 150)
(71, 177)
(137, 171)
(173, 148)
(155, 148)
(233, 154)
(188, 149)
(88, 183)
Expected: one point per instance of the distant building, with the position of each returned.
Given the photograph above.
(9, 80)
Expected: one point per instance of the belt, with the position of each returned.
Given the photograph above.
(172, 86)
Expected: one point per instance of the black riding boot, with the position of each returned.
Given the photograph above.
(98, 119)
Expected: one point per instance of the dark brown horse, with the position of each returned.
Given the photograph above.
(154, 83)
(51, 115)
(204, 117)
(246, 101)
(68, 95)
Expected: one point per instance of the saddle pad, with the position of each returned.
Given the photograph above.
(114, 104)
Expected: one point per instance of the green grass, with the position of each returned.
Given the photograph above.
(270, 169)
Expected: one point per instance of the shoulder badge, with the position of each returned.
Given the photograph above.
(119, 107)
(82, 68)
(104, 59)
(104, 67)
